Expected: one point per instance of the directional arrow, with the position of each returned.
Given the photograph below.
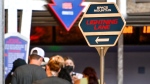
(67, 11)
(102, 24)
(101, 40)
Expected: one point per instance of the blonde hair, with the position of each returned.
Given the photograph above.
(56, 62)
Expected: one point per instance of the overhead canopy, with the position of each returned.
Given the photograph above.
(45, 18)
(138, 15)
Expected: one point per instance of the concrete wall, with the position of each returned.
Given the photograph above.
(133, 7)
(133, 61)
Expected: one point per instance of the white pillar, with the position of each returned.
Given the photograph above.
(122, 7)
(120, 60)
(111, 1)
(2, 22)
(12, 16)
(26, 19)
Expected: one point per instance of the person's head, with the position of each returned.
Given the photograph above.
(90, 73)
(69, 64)
(18, 62)
(36, 56)
(55, 64)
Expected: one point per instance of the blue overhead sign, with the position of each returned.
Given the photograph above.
(67, 11)
(102, 24)
(102, 9)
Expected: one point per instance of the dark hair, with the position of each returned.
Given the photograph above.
(18, 62)
(34, 55)
(91, 73)
(68, 58)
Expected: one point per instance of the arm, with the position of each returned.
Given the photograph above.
(77, 81)
(14, 79)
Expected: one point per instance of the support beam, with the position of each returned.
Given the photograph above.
(111, 1)
(122, 4)
(120, 60)
(26, 19)
(2, 20)
(142, 1)
(122, 7)
(12, 17)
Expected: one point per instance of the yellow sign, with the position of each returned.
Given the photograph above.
(128, 30)
(146, 29)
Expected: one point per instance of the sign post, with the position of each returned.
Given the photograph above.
(102, 51)
(101, 26)
(2, 23)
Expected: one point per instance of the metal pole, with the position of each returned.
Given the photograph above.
(102, 51)
(122, 6)
(120, 60)
(101, 65)
(123, 9)
(2, 19)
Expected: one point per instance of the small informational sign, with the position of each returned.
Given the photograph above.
(67, 11)
(16, 46)
(102, 24)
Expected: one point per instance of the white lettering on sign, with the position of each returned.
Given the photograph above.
(102, 9)
(14, 47)
(67, 12)
(12, 57)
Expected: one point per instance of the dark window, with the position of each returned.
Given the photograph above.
(57, 35)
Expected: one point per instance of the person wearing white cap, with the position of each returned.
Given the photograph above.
(31, 72)
(36, 53)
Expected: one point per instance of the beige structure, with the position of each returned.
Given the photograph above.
(138, 6)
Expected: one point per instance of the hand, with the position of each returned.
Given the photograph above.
(74, 78)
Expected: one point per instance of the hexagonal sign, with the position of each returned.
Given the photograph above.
(102, 24)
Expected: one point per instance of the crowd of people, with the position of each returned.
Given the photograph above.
(54, 70)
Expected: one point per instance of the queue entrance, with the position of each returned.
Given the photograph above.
(25, 23)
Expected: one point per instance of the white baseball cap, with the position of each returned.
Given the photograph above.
(39, 50)
(46, 59)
